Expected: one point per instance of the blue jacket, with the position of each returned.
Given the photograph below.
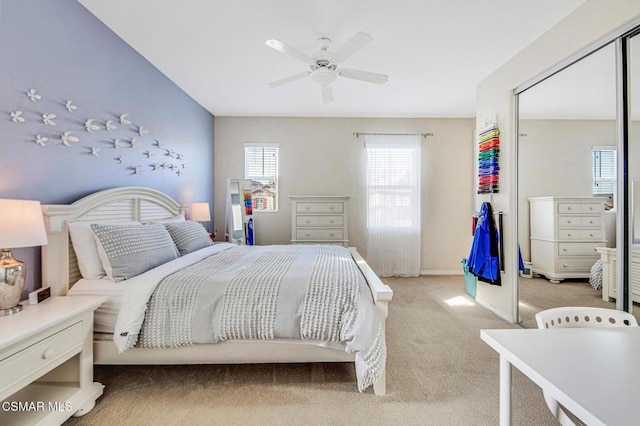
(484, 260)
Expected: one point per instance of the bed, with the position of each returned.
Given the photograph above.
(608, 257)
(61, 271)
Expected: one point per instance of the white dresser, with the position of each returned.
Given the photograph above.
(565, 232)
(319, 219)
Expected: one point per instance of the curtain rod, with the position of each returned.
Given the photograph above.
(424, 135)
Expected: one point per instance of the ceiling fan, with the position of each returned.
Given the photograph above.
(323, 65)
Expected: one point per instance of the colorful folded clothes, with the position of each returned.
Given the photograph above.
(493, 143)
(493, 161)
(488, 160)
(495, 152)
(489, 134)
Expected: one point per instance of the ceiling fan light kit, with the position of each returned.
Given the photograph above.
(323, 67)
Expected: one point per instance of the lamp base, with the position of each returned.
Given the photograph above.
(10, 311)
(12, 278)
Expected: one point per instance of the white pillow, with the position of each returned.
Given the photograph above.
(84, 244)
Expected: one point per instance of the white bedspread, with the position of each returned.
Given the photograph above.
(303, 280)
(140, 288)
(105, 317)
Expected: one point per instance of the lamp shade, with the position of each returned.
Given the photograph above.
(21, 224)
(200, 212)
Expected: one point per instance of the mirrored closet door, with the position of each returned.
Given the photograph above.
(567, 185)
(633, 164)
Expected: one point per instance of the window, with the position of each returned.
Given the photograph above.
(603, 165)
(261, 166)
(391, 185)
(393, 204)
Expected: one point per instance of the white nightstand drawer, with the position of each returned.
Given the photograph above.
(42, 353)
(328, 220)
(319, 207)
(319, 234)
(578, 249)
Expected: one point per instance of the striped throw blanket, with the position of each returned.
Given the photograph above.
(269, 292)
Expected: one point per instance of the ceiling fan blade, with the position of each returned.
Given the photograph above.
(356, 43)
(369, 77)
(285, 48)
(327, 94)
(288, 79)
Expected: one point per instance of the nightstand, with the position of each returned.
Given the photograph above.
(46, 359)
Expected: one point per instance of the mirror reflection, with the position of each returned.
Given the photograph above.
(567, 185)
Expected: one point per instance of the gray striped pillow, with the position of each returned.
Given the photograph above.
(129, 250)
(188, 236)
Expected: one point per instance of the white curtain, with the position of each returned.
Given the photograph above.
(393, 204)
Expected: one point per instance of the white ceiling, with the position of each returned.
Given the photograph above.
(434, 51)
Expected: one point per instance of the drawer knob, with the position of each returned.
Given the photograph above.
(48, 354)
(307, 207)
(307, 221)
(568, 208)
(565, 265)
(332, 207)
(564, 249)
(332, 221)
(569, 235)
(331, 234)
(591, 235)
(568, 221)
(307, 234)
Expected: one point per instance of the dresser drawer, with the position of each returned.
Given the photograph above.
(568, 265)
(569, 207)
(319, 234)
(578, 249)
(42, 354)
(327, 220)
(580, 234)
(566, 221)
(319, 207)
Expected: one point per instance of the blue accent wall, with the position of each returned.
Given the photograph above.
(61, 50)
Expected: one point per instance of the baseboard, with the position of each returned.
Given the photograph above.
(441, 272)
(494, 310)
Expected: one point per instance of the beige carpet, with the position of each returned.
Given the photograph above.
(439, 372)
(537, 294)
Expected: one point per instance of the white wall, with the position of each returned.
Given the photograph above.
(589, 23)
(555, 159)
(321, 156)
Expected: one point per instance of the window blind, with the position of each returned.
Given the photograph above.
(391, 181)
(261, 166)
(604, 171)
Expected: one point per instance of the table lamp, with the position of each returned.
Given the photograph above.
(21, 225)
(200, 212)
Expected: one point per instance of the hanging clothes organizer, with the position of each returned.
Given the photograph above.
(488, 159)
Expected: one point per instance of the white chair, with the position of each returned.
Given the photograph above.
(579, 317)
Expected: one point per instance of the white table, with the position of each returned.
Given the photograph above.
(593, 372)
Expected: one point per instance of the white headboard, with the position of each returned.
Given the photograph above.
(59, 264)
